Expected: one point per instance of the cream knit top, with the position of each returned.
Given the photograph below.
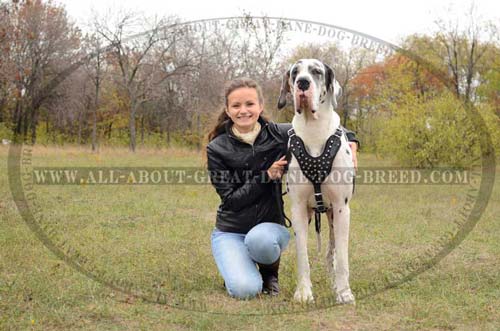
(248, 137)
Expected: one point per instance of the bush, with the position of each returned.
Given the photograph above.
(492, 122)
(5, 132)
(429, 133)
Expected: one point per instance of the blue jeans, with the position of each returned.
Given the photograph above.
(236, 254)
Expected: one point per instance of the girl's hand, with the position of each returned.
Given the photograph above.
(354, 149)
(277, 168)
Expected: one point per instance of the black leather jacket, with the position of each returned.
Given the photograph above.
(238, 171)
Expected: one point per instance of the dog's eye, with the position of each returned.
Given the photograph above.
(317, 72)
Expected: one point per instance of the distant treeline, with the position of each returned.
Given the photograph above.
(164, 86)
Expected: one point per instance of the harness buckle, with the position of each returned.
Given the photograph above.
(320, 209)
(338, 133)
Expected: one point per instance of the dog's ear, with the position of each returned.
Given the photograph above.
(285, 89)
(332, 85)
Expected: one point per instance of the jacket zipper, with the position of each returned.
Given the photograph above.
(253, 156)
(256, 205)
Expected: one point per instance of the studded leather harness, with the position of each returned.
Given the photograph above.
(315, 168)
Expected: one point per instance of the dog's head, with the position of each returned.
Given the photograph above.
(313, 86)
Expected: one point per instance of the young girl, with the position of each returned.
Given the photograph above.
(245, 154)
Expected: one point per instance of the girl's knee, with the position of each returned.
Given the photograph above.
(244, 289)
(263, 248)
(266, 241)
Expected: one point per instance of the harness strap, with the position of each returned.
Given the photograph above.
(291, 133)
(317, 221)
(320, 206)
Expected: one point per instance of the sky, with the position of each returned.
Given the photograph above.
(389, 20)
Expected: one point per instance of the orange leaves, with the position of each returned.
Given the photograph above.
(399, 69)
(364, 82)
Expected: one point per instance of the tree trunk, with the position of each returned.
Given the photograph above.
(47, 127)
(79, 139)
(132, 128)
(142, 130)
(198, 132)
(25, 123)
(168, 135)
(33, 125)
(96, 103)
(17, 119)
(94, 130)
(109, 130)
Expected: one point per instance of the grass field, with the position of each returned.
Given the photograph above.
(154, 240)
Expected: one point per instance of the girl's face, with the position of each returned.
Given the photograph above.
(244, 108)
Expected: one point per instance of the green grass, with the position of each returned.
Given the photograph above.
(157, 238)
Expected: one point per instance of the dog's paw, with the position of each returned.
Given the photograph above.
(345, 297)
(303, 294)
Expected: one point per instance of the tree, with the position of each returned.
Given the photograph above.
(466, 50)
(489, 90)
(131, 55)
(95, 68)
(259, 47)
(43, 45)
(6, 65)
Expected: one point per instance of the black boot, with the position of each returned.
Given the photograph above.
(269, 274)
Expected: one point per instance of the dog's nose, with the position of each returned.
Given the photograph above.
(303, 84)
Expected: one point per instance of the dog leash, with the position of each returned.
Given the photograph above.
(285, 221)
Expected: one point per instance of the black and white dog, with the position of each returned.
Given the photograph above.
(315, 91)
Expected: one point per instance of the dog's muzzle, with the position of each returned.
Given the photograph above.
(304, 100)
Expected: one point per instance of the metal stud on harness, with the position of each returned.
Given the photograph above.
(315, 168)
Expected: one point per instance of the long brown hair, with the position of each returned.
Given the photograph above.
(222, 119)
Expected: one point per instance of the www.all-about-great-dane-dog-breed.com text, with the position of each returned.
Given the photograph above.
(318, 148)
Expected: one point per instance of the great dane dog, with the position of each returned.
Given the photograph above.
(315, 91)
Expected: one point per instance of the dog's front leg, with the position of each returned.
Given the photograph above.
(341, 220)
(303, 293)
(330, 252)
